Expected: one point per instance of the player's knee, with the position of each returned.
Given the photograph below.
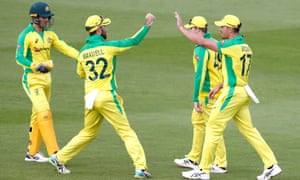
(89, 135)
(44, 115)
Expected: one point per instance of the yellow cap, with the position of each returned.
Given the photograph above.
(229, 21)
(94, 22)
(196, 21)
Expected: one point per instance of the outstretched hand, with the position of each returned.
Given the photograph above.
(150, 18)
(179, 20)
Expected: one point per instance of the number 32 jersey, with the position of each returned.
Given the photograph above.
(237, 61)
(97, 60)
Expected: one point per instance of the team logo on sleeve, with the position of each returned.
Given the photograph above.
(222, 42)
(198, 58)
(49, 40)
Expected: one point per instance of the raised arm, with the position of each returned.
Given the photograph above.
(195, 37)
(134, 40)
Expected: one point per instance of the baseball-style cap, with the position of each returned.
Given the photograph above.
(93, 22)
(229, 21)
(40, 9)
(196, 21)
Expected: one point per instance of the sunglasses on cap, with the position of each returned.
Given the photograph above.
(190, 23)
(101, 19)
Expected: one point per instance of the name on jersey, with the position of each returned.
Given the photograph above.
(89, 54)
(246, 49)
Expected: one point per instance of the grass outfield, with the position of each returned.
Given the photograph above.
(155, 80)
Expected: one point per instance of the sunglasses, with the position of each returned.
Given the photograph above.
(101, 20)
(190, 23)
(88, 28)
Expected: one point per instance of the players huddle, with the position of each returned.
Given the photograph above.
(221, 92)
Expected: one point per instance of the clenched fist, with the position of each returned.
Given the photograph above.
(150, 18)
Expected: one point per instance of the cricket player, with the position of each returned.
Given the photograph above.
(233, 102)
(97, 65)
(33, 54)
(207, 66)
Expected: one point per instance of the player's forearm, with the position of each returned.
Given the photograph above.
(219, 86)
(139, 36)
(80, 71)
(142, 32)
(197, 38)
(66, 49)
(194, 37)
(128, 43)
(21, 60)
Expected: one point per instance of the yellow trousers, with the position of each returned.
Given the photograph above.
(108, 105)
(199, 121)
(38, 88)
(233, 106)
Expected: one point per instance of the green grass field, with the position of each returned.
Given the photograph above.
(155, 80)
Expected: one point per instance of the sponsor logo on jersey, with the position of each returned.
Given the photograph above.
(36, 49)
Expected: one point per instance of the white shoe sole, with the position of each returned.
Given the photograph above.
(34, 160)
(277, 170)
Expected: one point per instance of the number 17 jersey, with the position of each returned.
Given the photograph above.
(237, 61)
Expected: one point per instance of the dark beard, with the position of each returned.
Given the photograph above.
(104, 36)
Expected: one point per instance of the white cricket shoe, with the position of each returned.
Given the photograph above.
(59, 166)
(195, 174)
(216, 169)
(38, 157)
(269, 173)
(185, 162)
(141, 174)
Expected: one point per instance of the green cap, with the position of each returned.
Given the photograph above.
(40, 9)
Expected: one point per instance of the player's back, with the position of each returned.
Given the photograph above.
(237, 61)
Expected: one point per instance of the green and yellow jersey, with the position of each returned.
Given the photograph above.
(34, 47)
(97, 60)
(207, 66)
(237, 61)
